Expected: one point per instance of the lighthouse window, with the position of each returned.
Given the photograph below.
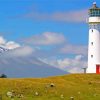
(91, 56)
(91, 43)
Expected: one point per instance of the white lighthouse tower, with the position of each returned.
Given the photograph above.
(94, 40)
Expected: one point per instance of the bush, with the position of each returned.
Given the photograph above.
(3, 76)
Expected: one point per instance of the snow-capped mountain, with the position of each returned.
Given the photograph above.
(25, 66)
(2, 49)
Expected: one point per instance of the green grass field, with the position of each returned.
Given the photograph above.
(79, 86)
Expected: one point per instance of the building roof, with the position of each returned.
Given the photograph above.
(95, 6)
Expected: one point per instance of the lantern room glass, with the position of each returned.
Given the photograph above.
(94, 13)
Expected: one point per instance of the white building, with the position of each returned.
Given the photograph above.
(94, 40)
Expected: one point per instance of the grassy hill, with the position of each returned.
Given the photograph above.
(79, 86)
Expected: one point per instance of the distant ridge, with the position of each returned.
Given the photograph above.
(21, 67)
(2, 49)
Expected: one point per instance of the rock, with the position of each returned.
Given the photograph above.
(20, 96)
(9, 94)
(36, 94)
(61, 96)
(79, 93)
(52, 85)
(72, 98)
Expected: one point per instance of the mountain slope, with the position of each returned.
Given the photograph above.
(24, 67)
(14, 65)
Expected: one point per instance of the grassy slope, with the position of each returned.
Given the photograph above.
(80, 86)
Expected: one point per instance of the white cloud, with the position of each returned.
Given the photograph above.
(14, 49)
(72, 65)
(11, 45)
(20, 52)
(79, 57)
(2, 41)
(71, 16)
(74, 49)
(47, 38)
(8, 44)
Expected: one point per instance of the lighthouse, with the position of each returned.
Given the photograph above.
(94, 40)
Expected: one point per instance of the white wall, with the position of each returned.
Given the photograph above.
(93, 49)
(94, 19)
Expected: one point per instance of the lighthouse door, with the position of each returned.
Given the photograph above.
(98, 69)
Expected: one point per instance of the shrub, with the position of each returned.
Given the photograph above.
(3, 76)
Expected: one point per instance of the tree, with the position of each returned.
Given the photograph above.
(3, 76)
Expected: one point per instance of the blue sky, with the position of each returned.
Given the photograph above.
(56, 30)
(14, 27)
